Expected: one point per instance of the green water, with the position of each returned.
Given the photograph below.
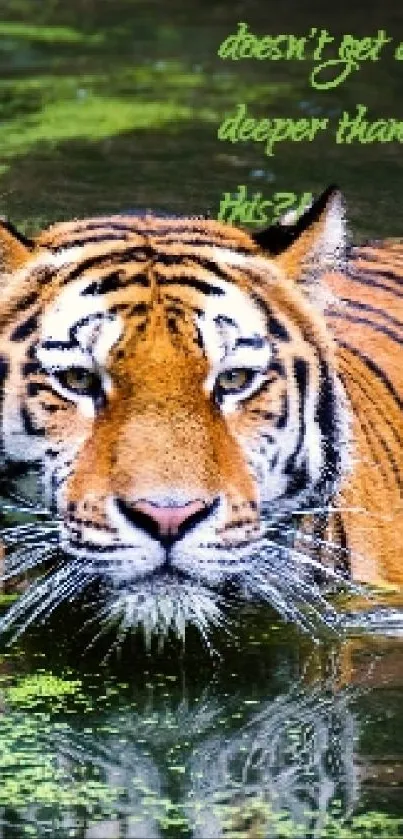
(106, 106)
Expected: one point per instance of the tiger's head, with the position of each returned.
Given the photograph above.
(175, 382)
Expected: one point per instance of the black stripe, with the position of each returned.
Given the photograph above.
(388, 269)
(192, 262)
(52, 453)
(390, 457)
(106, 223)
(198, 285)
(366, 427)
(9, 226)
(325, 416)
(387, 261)
(221, 319)
(29, 426)
(256, 342)
(202, 240)
(51, 408)
(169, 233)
(277, 329)
(33, 388)
(279, 420)
(376, 327)
(139, 309)
(301, 375)
(98, 259)
(25, 329)
(263, 387)
(4, 369)
(298, 481)
(366, 307)
(185, 306)
(56, 345)
(31, 298)
(374, 369)
(90, 240)
(109, 283)
(31, 351)
(277, 367)
(141, 254)
(363, 387)
(103, 226)
(366, 280)
(30, 367)
(283, 417)
(26, 301)
(137, 254)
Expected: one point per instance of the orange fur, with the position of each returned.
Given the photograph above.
(374, 535)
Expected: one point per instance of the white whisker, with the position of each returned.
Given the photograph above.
(314, 540)
(303, 559)
(24, 560)
(43, 596)
(27, 509)
(16, 534)
(308, 511)
(271, 577)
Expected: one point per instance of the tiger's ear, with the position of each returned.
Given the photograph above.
(313, 244)
(15, 248)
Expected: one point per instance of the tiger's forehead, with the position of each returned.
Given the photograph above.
(107, 304)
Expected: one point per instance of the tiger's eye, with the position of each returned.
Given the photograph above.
(79, 380)
(233, 381)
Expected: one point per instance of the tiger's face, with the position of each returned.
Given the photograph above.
(177, 387)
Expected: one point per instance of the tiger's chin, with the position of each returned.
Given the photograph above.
(162, 604)
(157, 592)
(195, 588)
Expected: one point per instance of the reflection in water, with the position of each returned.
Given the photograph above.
(155, 759)
(294, 757)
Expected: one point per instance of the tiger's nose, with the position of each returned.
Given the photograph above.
(164, 522)
(169, 520)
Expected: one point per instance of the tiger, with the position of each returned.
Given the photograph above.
(214, 415)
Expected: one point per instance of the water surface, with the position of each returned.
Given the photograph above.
(115, 105)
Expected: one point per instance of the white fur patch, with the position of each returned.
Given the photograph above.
(329, 251)
(90, 342)
(263, 265)
(92, 339)
(44, 258)
(237, 306)
(62, 257)
(70, 307)
(226, 321)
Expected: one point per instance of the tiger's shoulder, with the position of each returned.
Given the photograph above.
(366, 320)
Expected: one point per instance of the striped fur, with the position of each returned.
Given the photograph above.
(291, 477)
(368, 326)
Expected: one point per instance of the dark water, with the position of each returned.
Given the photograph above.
(113, 104)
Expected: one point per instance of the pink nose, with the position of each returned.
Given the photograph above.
(169, 519)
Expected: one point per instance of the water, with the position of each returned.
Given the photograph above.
(276, 737)
(115, 105)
